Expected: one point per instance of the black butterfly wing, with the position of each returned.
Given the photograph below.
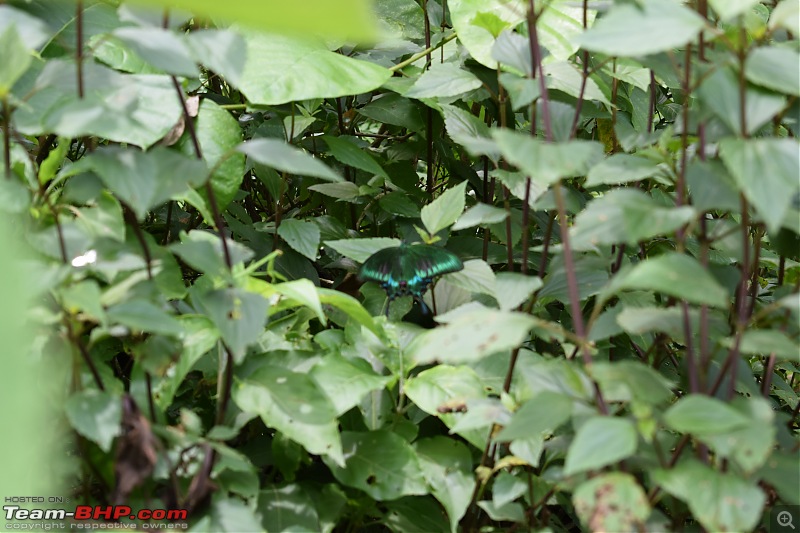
(426, 261)
(381, 267)
(405, 269)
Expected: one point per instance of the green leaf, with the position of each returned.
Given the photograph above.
(786, 15)
(472, 336)
(302, 235)
(612, 502)
(766, 170)
(763, 343)
(512, 289)
(16, 59)
(476, 276)
(523, 91)
(219, 133)
(345, 19)
(749, 446)
(591, 274)
(520, 186)
(443, 80)
(293, 404)
(395, 110)
(565, 77)
(507, 488)
(545, 162)
(559, 27)
(639, 320)
(114, 53)
(600, 441)
(445, 209)
(287, 508)
(643, 384)
(134, 109)
(281, 69)
(346, 190)
(346, 382)
(774, 68)
(445, 385)
(402, 18)
(782, 471)
(712, 187)
(703, 415)
(513, 50)
(304, 292)
(229, 515)
(238, 315)
(720, 501)
(729, 9)
(284, 157)
(144, 180)
(203, 252)
(479, 414)
(447, 468)
(480, 214)
(398, 203)
(142, 315)
(510, 512)
(720, 92)
(199, 336)
(415, 513)
(220, 51)
(53, 161)
(625, 216)
(469, 131)
(477, 39)
(541, 415)
(491, 22)
(84, 296)
(360, 249)
(28, 28)
(96, 415)
(629, 30)
(345, 150)
(350, 306)
(14, 196)
(674, 274)
(380, 463)
(621, 168)
(159, 47)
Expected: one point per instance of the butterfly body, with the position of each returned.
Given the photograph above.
(408, 270)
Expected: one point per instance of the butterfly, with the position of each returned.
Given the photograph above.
(408, 270)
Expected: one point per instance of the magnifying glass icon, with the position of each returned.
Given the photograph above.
(785, 519)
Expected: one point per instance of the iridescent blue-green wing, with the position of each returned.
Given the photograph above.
(408, 270)
(381, 267)
(430, 261)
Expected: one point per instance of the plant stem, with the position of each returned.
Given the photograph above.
(7, 137)
(79, 46)
(424, 53)
(212, 198)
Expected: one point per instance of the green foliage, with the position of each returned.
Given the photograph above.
(620, 180)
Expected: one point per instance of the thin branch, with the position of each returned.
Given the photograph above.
(584, 76)
(429, 114)
(7, 137)
(73, 337)
(212, 197)
(130, 218)
(79, 45)
(424, 53)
